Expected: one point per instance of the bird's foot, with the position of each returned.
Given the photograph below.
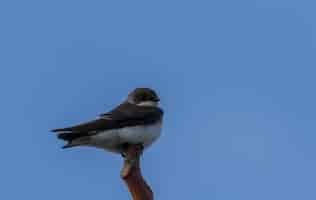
(140, 147)
(125, 147)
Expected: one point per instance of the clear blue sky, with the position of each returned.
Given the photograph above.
(236, 78)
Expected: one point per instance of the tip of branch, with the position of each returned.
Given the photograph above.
(131, 174)
(131, 160)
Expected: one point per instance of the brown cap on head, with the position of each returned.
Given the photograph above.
(143, 94)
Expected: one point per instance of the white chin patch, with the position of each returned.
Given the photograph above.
(148, 103)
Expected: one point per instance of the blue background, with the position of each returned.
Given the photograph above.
(236, 79)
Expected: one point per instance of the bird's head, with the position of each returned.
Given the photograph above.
(143, 97)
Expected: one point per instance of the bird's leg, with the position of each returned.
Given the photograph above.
(124, 148)
(139, 148)
(137, 152)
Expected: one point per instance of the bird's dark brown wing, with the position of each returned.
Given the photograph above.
(128, 114)
(94, 125)
(124, 115)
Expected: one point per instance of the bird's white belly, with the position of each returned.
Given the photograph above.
(111, 139)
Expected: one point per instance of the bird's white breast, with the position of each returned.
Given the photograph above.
(140, 134)
(110, 139)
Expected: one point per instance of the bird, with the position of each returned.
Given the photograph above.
(136, 121)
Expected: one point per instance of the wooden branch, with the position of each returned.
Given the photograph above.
(131, 174)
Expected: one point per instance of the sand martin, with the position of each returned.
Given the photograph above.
(137, 120)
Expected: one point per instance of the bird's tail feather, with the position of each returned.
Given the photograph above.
(74, 139)
(77, 142)
(71, 135)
